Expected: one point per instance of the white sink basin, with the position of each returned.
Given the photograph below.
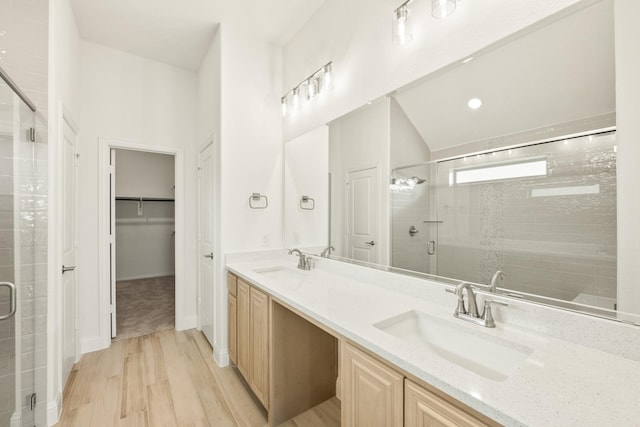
(283, 275)
(491, 357)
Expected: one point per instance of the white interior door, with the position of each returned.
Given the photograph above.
(206, 239)
(112, 238)
(69, 251)
(362, 215)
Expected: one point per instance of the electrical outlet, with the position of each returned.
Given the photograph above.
(266, 240)
(296, 238)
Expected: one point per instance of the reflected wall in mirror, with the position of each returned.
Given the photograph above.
(306, 182)
(521, 180)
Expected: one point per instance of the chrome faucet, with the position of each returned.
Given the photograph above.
(327, 251)
(493, 285)
(471, 315)
(304, 263)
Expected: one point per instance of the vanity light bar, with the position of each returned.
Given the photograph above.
(440, 9)
(316, 84)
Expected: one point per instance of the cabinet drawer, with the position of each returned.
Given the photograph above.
(425, 408)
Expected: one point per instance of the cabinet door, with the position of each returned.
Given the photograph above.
(371, 391)
(259, 342)
(426, 409)
(242, 359)
(232, 313)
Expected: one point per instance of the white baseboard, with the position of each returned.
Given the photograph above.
(54, 408)
(145, 276)
(188, 322)
(221, 357)
(88, 345)
(16, 419)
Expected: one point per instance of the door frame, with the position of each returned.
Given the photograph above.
(104, 205)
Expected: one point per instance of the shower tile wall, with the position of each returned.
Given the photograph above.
(555, 246)
(410, 207)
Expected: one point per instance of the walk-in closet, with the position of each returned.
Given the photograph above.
(143, 206)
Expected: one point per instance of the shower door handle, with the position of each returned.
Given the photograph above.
(65, 269)
(12, 300)
(431, 247)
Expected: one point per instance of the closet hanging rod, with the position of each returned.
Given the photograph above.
(144, 199)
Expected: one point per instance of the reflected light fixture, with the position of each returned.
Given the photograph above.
(475, 103)
(401, 24)
(442, 8)
(316, 84)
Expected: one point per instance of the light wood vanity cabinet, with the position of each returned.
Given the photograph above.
(259, 344)
(252, 337)
(372, 393)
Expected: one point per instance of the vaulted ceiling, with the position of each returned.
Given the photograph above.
(178, 32)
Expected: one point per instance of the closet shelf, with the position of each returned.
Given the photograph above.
(145, 221)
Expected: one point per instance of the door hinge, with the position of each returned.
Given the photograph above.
(112, 309)
(77, 161)
(32, 135)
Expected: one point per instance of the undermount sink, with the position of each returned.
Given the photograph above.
(491, 357)
(282, 275)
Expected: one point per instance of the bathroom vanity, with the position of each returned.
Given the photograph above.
(389, 348)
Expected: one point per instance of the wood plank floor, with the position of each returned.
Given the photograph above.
(163, 379)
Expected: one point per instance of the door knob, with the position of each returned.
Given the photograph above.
(12, 300)
(371, 243)
(65, 269)
(210, 256)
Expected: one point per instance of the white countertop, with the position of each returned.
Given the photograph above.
(560, 384)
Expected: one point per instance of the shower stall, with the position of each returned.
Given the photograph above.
(544, 214)
(23, 259)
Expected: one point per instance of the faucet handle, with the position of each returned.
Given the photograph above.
(451, 291)
(488, 302)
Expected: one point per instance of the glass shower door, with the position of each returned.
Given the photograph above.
(23, 257)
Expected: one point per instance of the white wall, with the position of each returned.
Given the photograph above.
(140, 174)
(208, 115)
(407, 146)
(627, 13)
(306, 173)
(64, 75)
(250, 157)
(129, 98)
(360, 140)
(356, 35)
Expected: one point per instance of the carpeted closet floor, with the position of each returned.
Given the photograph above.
(144, 306)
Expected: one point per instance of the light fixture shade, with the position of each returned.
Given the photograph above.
(283, 101)
(442, 8)
(401, 26)
(312, 88)
(326, 78)
(295, 98)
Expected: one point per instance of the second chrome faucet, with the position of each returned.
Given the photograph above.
(304, 262)
(470, 311)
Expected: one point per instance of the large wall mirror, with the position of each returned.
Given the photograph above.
(499, 167)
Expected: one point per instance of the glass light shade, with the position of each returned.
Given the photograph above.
(312, 88)
(295, 98)
(442, 8)
(401, 26)
(326, 78)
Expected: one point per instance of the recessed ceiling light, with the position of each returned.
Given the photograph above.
(474, 103)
